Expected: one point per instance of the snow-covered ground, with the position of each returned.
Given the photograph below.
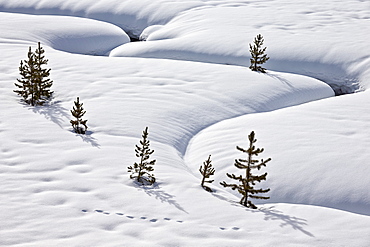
(70, 34)
(189, 83)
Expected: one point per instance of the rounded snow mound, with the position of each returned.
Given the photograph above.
(70, 34)
(148, 31)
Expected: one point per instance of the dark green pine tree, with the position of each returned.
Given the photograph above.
(141, 171)
(34, 85)
(41, 76)
(247, 183)
(207, 170)
(27, 83)
(257, 53)
(79, 125)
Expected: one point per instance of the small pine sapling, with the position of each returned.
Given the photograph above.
(34, 86)
(141, 171)
(79, 125)
(207, 170)
(257, 53)
(246, 184)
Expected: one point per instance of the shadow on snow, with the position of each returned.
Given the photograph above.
(160, 194)
(273, 214)
(58, 114)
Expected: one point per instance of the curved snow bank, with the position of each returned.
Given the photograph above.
(311, 40)
(342, 77)
(301, 38)
(176, 99)
(319, 151)
(130, 15)
(211, 94)
(70, 34)
(148, 31)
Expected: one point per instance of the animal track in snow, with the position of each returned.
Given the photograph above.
(233, 228)
(153, 220)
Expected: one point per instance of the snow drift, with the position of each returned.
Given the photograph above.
(70, 34)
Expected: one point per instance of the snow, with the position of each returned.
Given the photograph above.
(70, 34)
(311, 40)
(189, 83)
(301, 170)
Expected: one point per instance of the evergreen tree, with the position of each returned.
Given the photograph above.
(34, 85)
(78, 112)
(207, 170)
(141, 171)
(257, 53)
(27, 86)
(43, 82)
(246, 184)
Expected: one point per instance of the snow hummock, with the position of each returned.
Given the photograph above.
(189, 83)
(302, 167)
(324, 41)
(305, 41)
(70, 34)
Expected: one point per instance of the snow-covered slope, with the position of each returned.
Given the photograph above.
(67, 178)
(325, 41)
(303, 170)
(131, 15)
(70, 34)
(62, 189)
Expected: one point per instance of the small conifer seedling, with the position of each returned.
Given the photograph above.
(141, 171)
(247, 183)
(257, 53)
(34, 85)
(79, 125)
(207, 170)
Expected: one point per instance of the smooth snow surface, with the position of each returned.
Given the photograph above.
(302, 168)
(70, 34)
(326, 41)
(188, 82)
